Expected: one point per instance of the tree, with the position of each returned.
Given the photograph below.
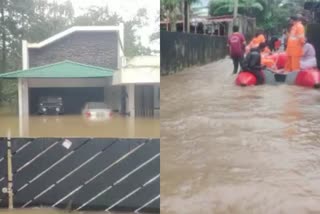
(187, 4)
(156, 35)
(14, 17)
(271, 15)
(48, 19)
(170, 10)
(245, 7)
(132, 44)
(101, 16)
(276, 13)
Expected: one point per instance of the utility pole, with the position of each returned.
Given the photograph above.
(235, 11)
(3, 59)
(186, 17)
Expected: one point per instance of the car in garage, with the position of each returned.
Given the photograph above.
(50, 105)
(97, 111)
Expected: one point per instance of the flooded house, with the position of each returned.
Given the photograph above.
(86, 64)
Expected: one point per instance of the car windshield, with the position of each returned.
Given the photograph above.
(51, 99)
(97, 106)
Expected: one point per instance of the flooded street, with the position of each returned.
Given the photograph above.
(226, 149)
(78, 126)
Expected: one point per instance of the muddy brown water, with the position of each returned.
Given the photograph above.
(226, 149)
(78, 126)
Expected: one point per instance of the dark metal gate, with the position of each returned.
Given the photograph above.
(3, 173)
(83, 174)
(144, 100)
(181, 50)
(313, 34)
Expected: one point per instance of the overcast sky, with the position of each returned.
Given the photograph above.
(127, 9)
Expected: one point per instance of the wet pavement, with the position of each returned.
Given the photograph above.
(78, 126)
(227, 149)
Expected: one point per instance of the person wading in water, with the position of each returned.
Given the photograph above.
(252, 63)
(236, 44)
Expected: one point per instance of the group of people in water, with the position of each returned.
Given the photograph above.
(300, 53)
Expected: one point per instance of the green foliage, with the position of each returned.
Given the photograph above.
(276, 13)
(9, 89)
(245, 7)
(101, 16)
(271, 15)
(48, 18)
(171, 10)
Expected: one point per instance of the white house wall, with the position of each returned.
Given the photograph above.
(137, 75)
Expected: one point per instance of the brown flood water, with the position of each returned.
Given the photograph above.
(77, 126)
(226, 149)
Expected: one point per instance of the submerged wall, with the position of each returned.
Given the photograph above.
(181, 50)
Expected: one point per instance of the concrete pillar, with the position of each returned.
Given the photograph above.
(20, 89)
(25, 56)
(121, 58)
(131, 101)
(23, 95)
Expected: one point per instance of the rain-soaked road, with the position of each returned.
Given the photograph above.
(226, 149)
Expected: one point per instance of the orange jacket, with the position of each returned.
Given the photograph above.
(296, 40)
(255, 42)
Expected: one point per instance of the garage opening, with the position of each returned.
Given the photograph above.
(73, 99)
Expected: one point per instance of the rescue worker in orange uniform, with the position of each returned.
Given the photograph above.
(295, 43)
(256, 41)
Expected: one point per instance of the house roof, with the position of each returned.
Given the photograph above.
(64, 69)
(71, 30)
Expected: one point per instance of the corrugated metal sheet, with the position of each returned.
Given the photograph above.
(83, 173)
